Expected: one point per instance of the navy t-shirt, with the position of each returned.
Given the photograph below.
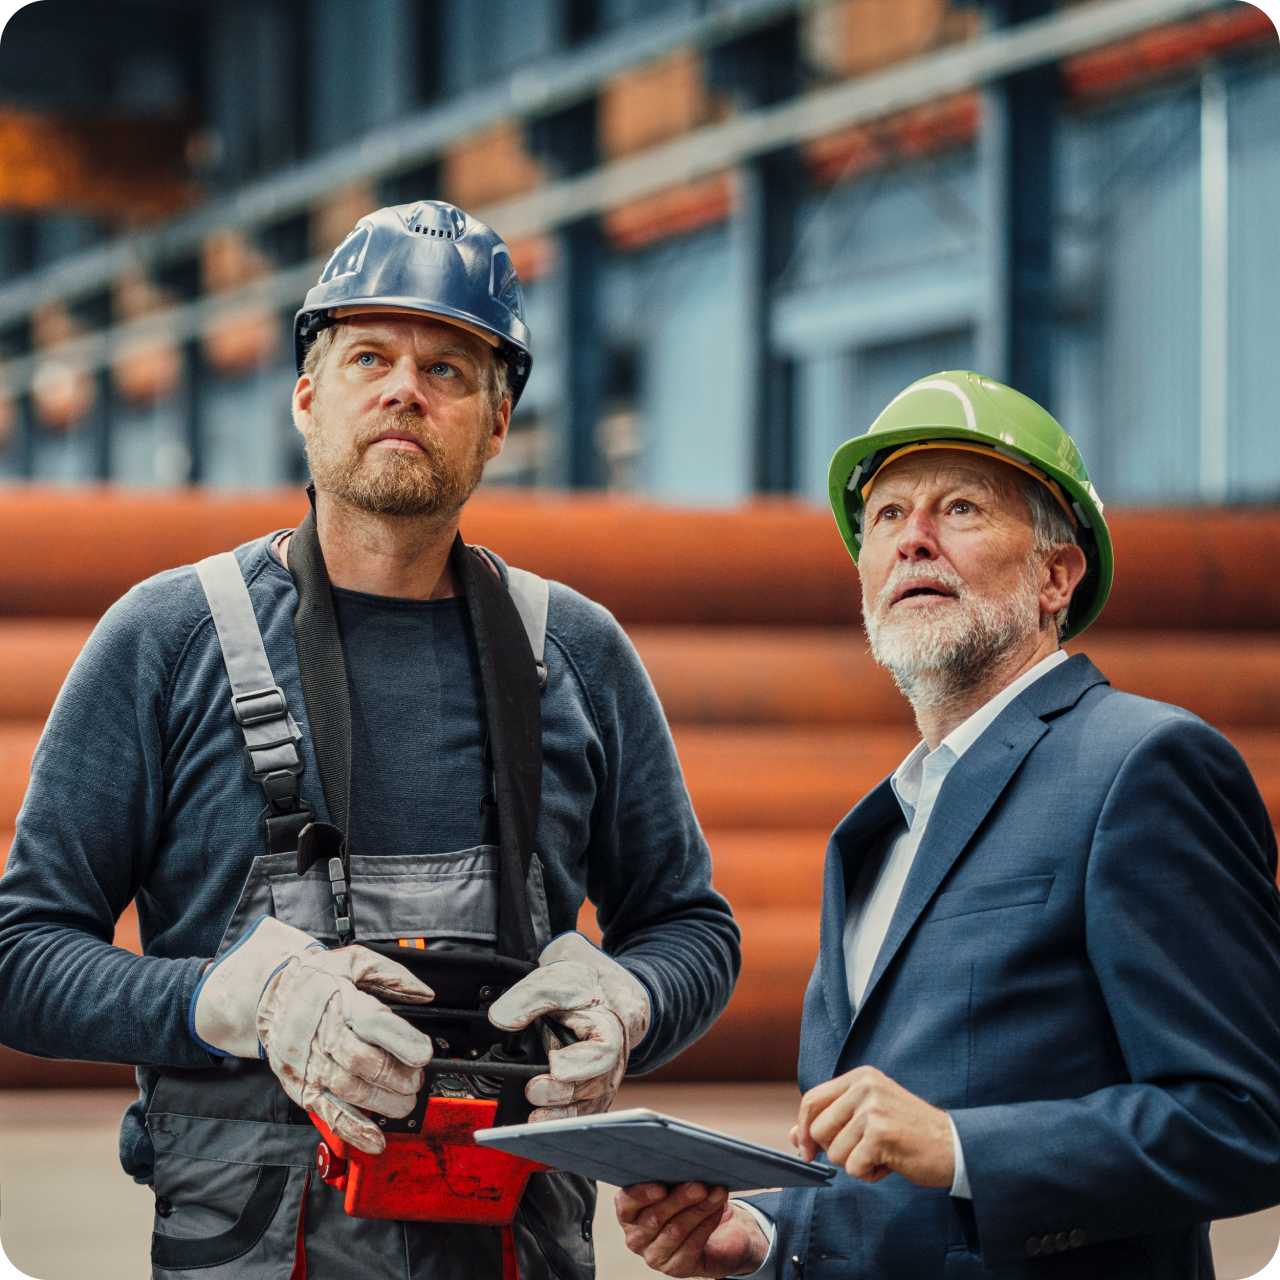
(417, 724)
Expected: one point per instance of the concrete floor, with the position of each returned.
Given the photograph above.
(67, 1212)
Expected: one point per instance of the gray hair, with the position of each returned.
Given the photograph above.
(1050, 529)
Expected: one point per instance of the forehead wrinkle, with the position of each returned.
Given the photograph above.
(947, 475)
(441, 339)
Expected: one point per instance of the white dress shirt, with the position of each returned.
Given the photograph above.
(875, 891)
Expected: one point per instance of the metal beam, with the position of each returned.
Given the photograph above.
(1018, 162)
(1214, 298)
(761, 70)
(708, 150)
(566, 142)
(550, 85)
(924, 79)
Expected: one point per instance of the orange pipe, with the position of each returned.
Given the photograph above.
(798, 675)
(744, 779)
(771, 562)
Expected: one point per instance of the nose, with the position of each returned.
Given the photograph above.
(917, 537)
(404, 387)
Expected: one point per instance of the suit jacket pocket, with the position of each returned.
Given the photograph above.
(991, 895)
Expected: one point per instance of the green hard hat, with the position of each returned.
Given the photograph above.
(978, 412)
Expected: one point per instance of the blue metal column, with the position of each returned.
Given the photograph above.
(758, 70)
(567, 143)
(99, 313)
(25, 435)
(194, 388)
(1017, 151)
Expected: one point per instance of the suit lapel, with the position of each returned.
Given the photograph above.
(971, 790)
(850, 842)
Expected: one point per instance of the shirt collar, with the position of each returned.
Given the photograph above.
(909, 775)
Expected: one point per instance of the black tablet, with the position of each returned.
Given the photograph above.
(624, 1147)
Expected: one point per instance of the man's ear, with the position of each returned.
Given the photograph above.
(304, 392)
(1065, 567)
(501, 425)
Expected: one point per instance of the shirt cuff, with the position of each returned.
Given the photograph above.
(768, 1269)
(960, 1183)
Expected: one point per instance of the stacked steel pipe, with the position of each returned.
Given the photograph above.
(748, 622)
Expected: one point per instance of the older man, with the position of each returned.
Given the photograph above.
(1042, 1037)
(452, 755)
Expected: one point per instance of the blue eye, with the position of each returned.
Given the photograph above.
(443, 370)
(366, 359)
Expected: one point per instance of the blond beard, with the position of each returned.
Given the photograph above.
(394, 482)
(937, 661)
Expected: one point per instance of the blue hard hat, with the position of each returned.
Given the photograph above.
(429, 257)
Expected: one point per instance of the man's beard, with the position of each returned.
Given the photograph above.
(394, 482)
(941, 655)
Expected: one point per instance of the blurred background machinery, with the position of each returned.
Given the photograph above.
(744, 224)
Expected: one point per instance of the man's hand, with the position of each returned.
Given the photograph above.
(873, 1127)
(313, 1015)
(690, 1230)
(600, 1002)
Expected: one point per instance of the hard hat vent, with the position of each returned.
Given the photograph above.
(437, 220)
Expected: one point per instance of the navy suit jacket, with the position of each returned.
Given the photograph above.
(1084, 970)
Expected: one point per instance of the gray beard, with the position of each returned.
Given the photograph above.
(937, 662)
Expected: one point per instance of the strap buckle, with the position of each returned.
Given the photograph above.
(281, 787)
(257, 706)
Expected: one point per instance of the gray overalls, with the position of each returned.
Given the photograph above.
(237, 1194)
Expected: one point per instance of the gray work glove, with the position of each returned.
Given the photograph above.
(577, 985)
(280, 995)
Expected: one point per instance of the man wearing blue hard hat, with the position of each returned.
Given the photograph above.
(445, 756)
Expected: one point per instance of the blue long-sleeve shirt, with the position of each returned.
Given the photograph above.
(139, 789)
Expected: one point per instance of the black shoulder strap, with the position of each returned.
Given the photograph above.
(513, 709)
(513, 712)
(323, 670)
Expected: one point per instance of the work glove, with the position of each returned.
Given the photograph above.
(579, 986)
(280, 995)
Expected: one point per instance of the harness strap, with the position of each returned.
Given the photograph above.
(271, 735)
(529, 595)
(323, 670)
(513, 709)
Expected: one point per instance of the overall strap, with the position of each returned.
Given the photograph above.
(529, 595)
(510, 681)
(323, 670)
(271, 735)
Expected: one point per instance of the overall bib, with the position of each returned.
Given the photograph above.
(237, 1194)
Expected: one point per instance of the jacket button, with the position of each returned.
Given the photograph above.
(1077, 1238)
(164, 1206)
(1033, 1246)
